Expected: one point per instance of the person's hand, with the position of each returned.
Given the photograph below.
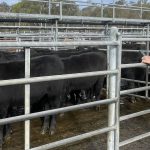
(146, 59)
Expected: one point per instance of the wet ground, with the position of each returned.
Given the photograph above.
(77, 122)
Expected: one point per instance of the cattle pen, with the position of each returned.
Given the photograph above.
(110, 37)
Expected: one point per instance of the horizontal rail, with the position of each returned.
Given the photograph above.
(132, 80)
(51, 34)
(134, 139)
(74, 139)
(134, 35)
(45, 27)
(52, 44)
(138, 96)
(54, 77)
(133, 65)
(50, 27)
(124, 92)
(136, 39)
(71, 19)
(144, 112)
(55, 111)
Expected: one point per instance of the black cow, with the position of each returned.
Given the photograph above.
(88, 62)
(11, 56)
(40, 66)
(136, 73)
(75, 95)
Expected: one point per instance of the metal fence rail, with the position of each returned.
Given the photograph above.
(55, 111)
(146, 88)
(59, 33)
(102, 7)
(136, 138)
(74, 139)
(52, 44)
(114, 76)
(122, 118)
(114, 46)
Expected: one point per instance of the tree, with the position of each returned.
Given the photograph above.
(42, 8)
(93, 11)
(121, 2)
(70, 8)
(26, 7)
(4, 7)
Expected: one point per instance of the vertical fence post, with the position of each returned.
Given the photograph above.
(114, 2)
(49, 7)
(147, 68)
(53, 35)
(117, 109)
(40, 37)
(27, 98)
(18, 39)
(112, 89)
(102, 8)
(141, 12)
(60, 4)
(108, 61)
(56, 33)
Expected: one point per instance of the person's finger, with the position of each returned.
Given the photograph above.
(145, 62)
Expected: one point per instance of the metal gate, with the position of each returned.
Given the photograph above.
(113, 79)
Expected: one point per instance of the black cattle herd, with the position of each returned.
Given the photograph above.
(55, 94)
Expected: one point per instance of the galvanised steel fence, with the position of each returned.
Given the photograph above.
(114, 76)
(107, 13)
(102, 7)
(113, 101)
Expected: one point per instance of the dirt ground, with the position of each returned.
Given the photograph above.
(77, 122)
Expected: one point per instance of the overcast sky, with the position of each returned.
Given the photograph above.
(10, 2)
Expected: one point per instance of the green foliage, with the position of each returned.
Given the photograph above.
(72, 9)
(93, 11)
(42, 8)
(26, 7)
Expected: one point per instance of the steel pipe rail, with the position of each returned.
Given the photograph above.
(69, 27)
(122, 118)
(125, 50)
(134, 139)
(52, 33)
(55, 111)
(72, 34)
(78, 36)
(135, 39)
(27, 98)
(89, 28)
(52, 44)
(133, 65)
(74, 139)
(134, 36)
(138, 96)
(124, 92)
(115, 43)
(132, 80)
(54, 77)
(50, 27)
(114, 62)
(68, 19)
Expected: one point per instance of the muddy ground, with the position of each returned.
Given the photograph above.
(77, 122)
